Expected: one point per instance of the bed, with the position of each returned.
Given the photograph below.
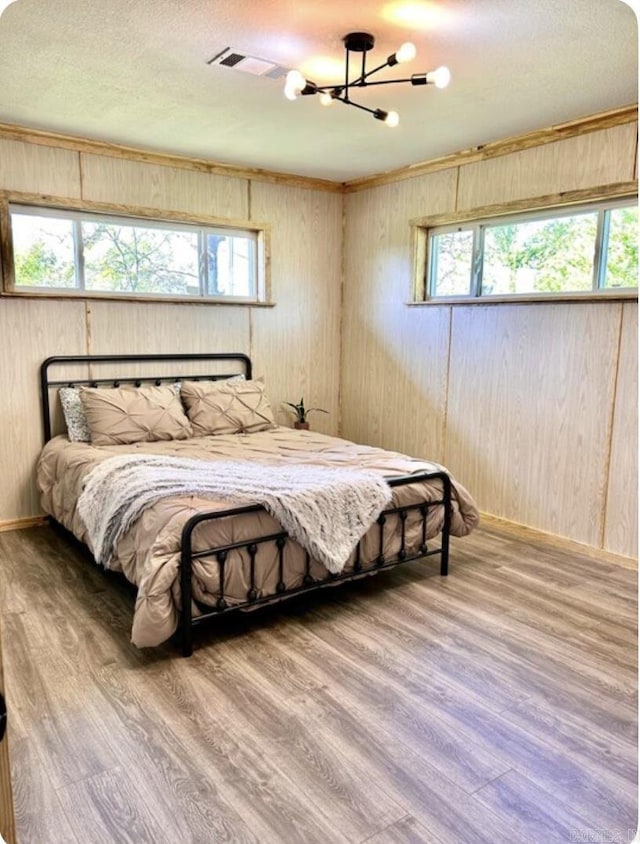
(194, 557)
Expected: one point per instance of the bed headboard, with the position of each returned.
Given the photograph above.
(115, 370)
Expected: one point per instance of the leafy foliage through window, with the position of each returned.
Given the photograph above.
(68, 250)
(583, 249)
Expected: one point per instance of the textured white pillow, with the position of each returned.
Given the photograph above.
(74, 415)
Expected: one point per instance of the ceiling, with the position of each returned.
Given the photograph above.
(135, 72)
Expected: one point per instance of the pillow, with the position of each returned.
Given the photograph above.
(74, 415)
(124, 415)
(227, 407)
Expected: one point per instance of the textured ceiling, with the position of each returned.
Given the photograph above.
(135, 72)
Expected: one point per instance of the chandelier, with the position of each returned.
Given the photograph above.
(362, 42)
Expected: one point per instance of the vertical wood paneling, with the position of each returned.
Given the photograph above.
(33, 168)
(598, 158)
(621, 526)
(30, 331)
(530, 392)
(296, 344)
(155, 186)
(545, 373)
(527, 413)
(145, 328)
(394, 358)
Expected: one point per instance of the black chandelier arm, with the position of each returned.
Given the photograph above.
(346, 77)
(416, 79)
(320, 89)
(356, 105)
(390, 81)
(360, 81)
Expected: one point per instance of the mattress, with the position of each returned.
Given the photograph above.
(148, 553)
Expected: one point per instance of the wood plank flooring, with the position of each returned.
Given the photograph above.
(498, 705)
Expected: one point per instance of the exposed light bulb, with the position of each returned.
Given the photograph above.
(326, 99)
(391, 118)
(294, 84)
(4, 4)
(406, 52)
(295, 79)
(439, 77)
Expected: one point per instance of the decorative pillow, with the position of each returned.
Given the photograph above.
(227, 407)
(74, 415)
(124, 415)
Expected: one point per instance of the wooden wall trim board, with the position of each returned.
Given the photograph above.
(88, 296)
(445, 413)
(119, 209)
(48, 170)
(54, 139)
(87, 322)
(606, 467)
(621, 519)
(528, 534)
(581, 162)
(506, 146)
(599, 193)
(620, 295)
(21, 524)
(6, 246)
(343, 271)
(262, 230)
(559, 131)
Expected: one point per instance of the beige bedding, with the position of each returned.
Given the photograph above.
(148, 554)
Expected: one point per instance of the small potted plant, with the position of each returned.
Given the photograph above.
(301, 413)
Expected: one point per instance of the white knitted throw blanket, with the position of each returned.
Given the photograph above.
(325, 510)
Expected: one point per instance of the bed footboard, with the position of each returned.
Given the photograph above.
(221, 553)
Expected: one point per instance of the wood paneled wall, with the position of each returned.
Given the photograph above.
(298, 343)
(532, 406)
(294, 345)
(622, 499)
(395, 358)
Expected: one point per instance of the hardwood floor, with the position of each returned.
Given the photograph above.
(498, 705)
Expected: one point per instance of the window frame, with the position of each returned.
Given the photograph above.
(78, 210)
(547, 207)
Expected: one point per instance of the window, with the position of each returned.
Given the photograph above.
(66, 251)
(588, 248)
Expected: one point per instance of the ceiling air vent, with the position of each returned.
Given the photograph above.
(237, 60)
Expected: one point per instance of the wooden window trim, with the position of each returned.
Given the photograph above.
(7, 273)
(420, 231)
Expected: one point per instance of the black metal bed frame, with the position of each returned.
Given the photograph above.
(250, 546)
